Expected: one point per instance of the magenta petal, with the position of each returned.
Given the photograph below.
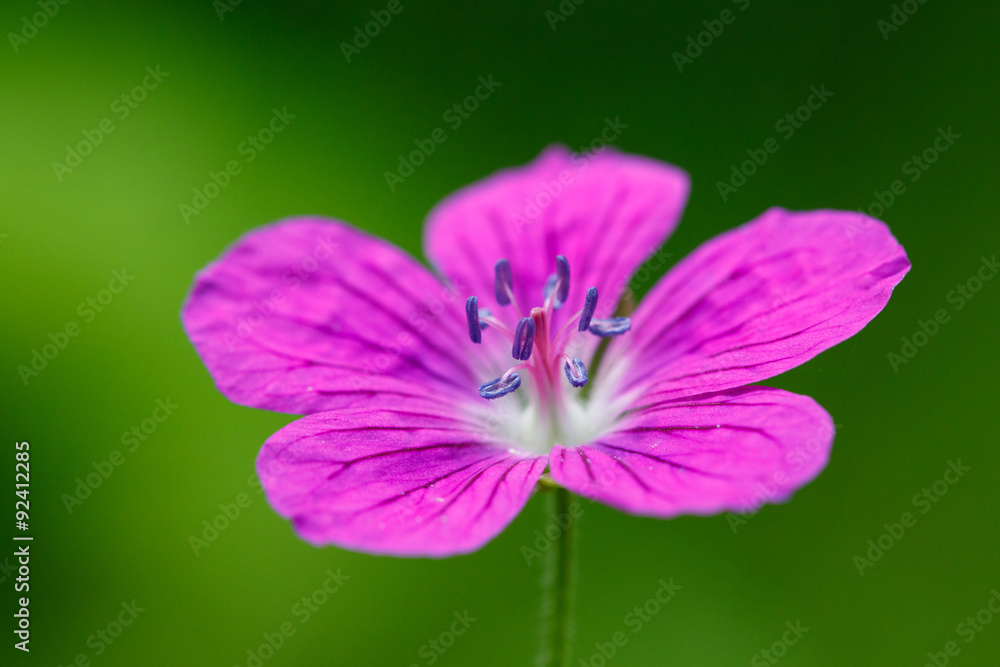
(308, 315)
(732, 450)
(605, 212)
(759, 300)
(396, 482)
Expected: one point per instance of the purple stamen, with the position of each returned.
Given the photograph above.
(484, 312)
(503, 282)
(576, 372)
(472, 315)
(562, 289)
(524, 338)
(611, 327)
(500, 386)
(589, 306)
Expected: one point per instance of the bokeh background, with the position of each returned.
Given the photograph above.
(227, 66)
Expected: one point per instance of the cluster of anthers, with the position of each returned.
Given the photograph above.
(533, 343)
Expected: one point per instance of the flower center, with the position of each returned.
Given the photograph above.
(551, 412)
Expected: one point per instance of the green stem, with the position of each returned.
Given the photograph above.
(557, 585)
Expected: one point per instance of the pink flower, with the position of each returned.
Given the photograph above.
(401, 453)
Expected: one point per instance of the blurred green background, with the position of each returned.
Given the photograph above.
(63, 233)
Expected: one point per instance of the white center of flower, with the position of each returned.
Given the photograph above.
(531, 430)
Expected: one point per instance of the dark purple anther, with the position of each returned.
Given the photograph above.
(500, 387)
(562, 272)
(524, 338)
(504, 282)
(615, 326)
(576, 372)
(589, 306)
(472, 315)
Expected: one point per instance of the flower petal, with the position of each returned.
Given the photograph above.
(396, 482)
(757, 301)
(606, 212)
(309, 314)
(732, 450)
